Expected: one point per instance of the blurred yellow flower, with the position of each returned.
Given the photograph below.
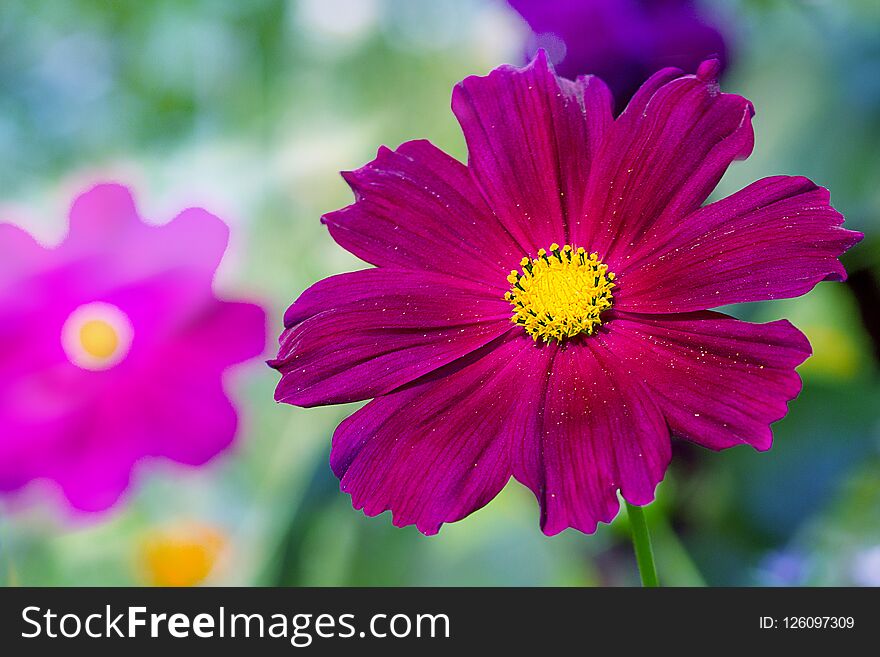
(183, 555)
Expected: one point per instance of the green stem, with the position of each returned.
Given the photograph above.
(642, 545)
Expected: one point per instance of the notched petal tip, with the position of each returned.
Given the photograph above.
(350, 176)
(540, 62)
(107, 192)
(204, 231)
(639, 102)
(585, 525)
(383, 150)
(204, 223)
(797, 340)
(103, 208)
(764, 442)
(557, 527)
(387, 161)
(709, 70)
(16, 243)
(399, 520)
(329, 218)
(855, 236)
(838, 273)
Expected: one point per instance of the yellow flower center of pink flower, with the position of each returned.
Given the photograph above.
(96, 336)
(560, 294)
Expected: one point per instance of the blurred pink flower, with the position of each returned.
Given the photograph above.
(113, 346)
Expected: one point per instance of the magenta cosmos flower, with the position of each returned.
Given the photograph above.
(621, 41)
(542, 312)
(112, 348)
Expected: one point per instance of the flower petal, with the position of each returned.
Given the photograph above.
(532, 139)
(418, 208)
(439, 449)
(19, 253)
(219, 334)
(179, 414)
(719, 381)
(82, 446)
(194, 227)
(358, 335)
(601, 432)
(191, 420)
(100, 213)
(661, 160)
(640, 99)
(93, 479)
(774, 239)
(105, 226)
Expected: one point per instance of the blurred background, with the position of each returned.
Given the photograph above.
(250, 109)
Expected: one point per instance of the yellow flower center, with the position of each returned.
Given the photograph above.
(97, 336)
(560, 294)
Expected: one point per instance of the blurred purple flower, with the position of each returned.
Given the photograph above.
(782, 568)
(491, 351)
(866, 567)
(621, 41)
(113, 346)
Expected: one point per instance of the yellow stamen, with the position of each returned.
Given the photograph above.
(562, 295)
(98, 338)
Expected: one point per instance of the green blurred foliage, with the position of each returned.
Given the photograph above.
(251, 109)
